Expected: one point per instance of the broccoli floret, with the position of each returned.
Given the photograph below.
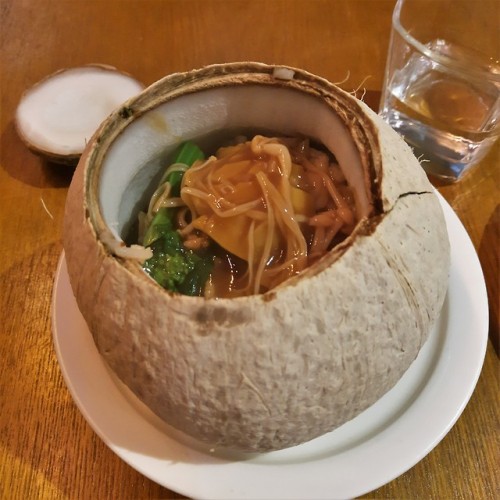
(169, 271)
(173, 266)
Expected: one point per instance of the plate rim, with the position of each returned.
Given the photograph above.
(373, 479)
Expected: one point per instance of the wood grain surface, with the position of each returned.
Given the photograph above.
(47, 450)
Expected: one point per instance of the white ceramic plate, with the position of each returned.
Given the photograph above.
(367, 452)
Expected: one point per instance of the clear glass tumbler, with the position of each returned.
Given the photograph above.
(442, 81)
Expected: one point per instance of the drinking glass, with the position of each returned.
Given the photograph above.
(442, 81)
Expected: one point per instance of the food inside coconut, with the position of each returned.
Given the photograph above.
(245, 219)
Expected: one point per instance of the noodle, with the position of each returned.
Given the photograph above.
(181, 218)
(162, 192)
(267, 247)
(330, 186)
(284, 213)
(216, 203)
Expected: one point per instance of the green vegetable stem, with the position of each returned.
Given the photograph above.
(173, 266)
(186, 154)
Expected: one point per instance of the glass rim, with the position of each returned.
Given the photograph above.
(436, 56)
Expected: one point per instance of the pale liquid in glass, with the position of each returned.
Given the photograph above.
(447, 118)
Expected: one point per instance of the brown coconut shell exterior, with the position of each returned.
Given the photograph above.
(266, 372)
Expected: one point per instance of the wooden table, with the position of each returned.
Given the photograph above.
(47, 450)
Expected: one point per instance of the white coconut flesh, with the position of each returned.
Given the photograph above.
(263, 372)
(228, 111)
(58, 116)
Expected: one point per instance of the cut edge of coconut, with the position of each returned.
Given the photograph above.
(58, 115)
(359, 128)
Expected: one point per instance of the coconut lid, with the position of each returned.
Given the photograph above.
(57, 116)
